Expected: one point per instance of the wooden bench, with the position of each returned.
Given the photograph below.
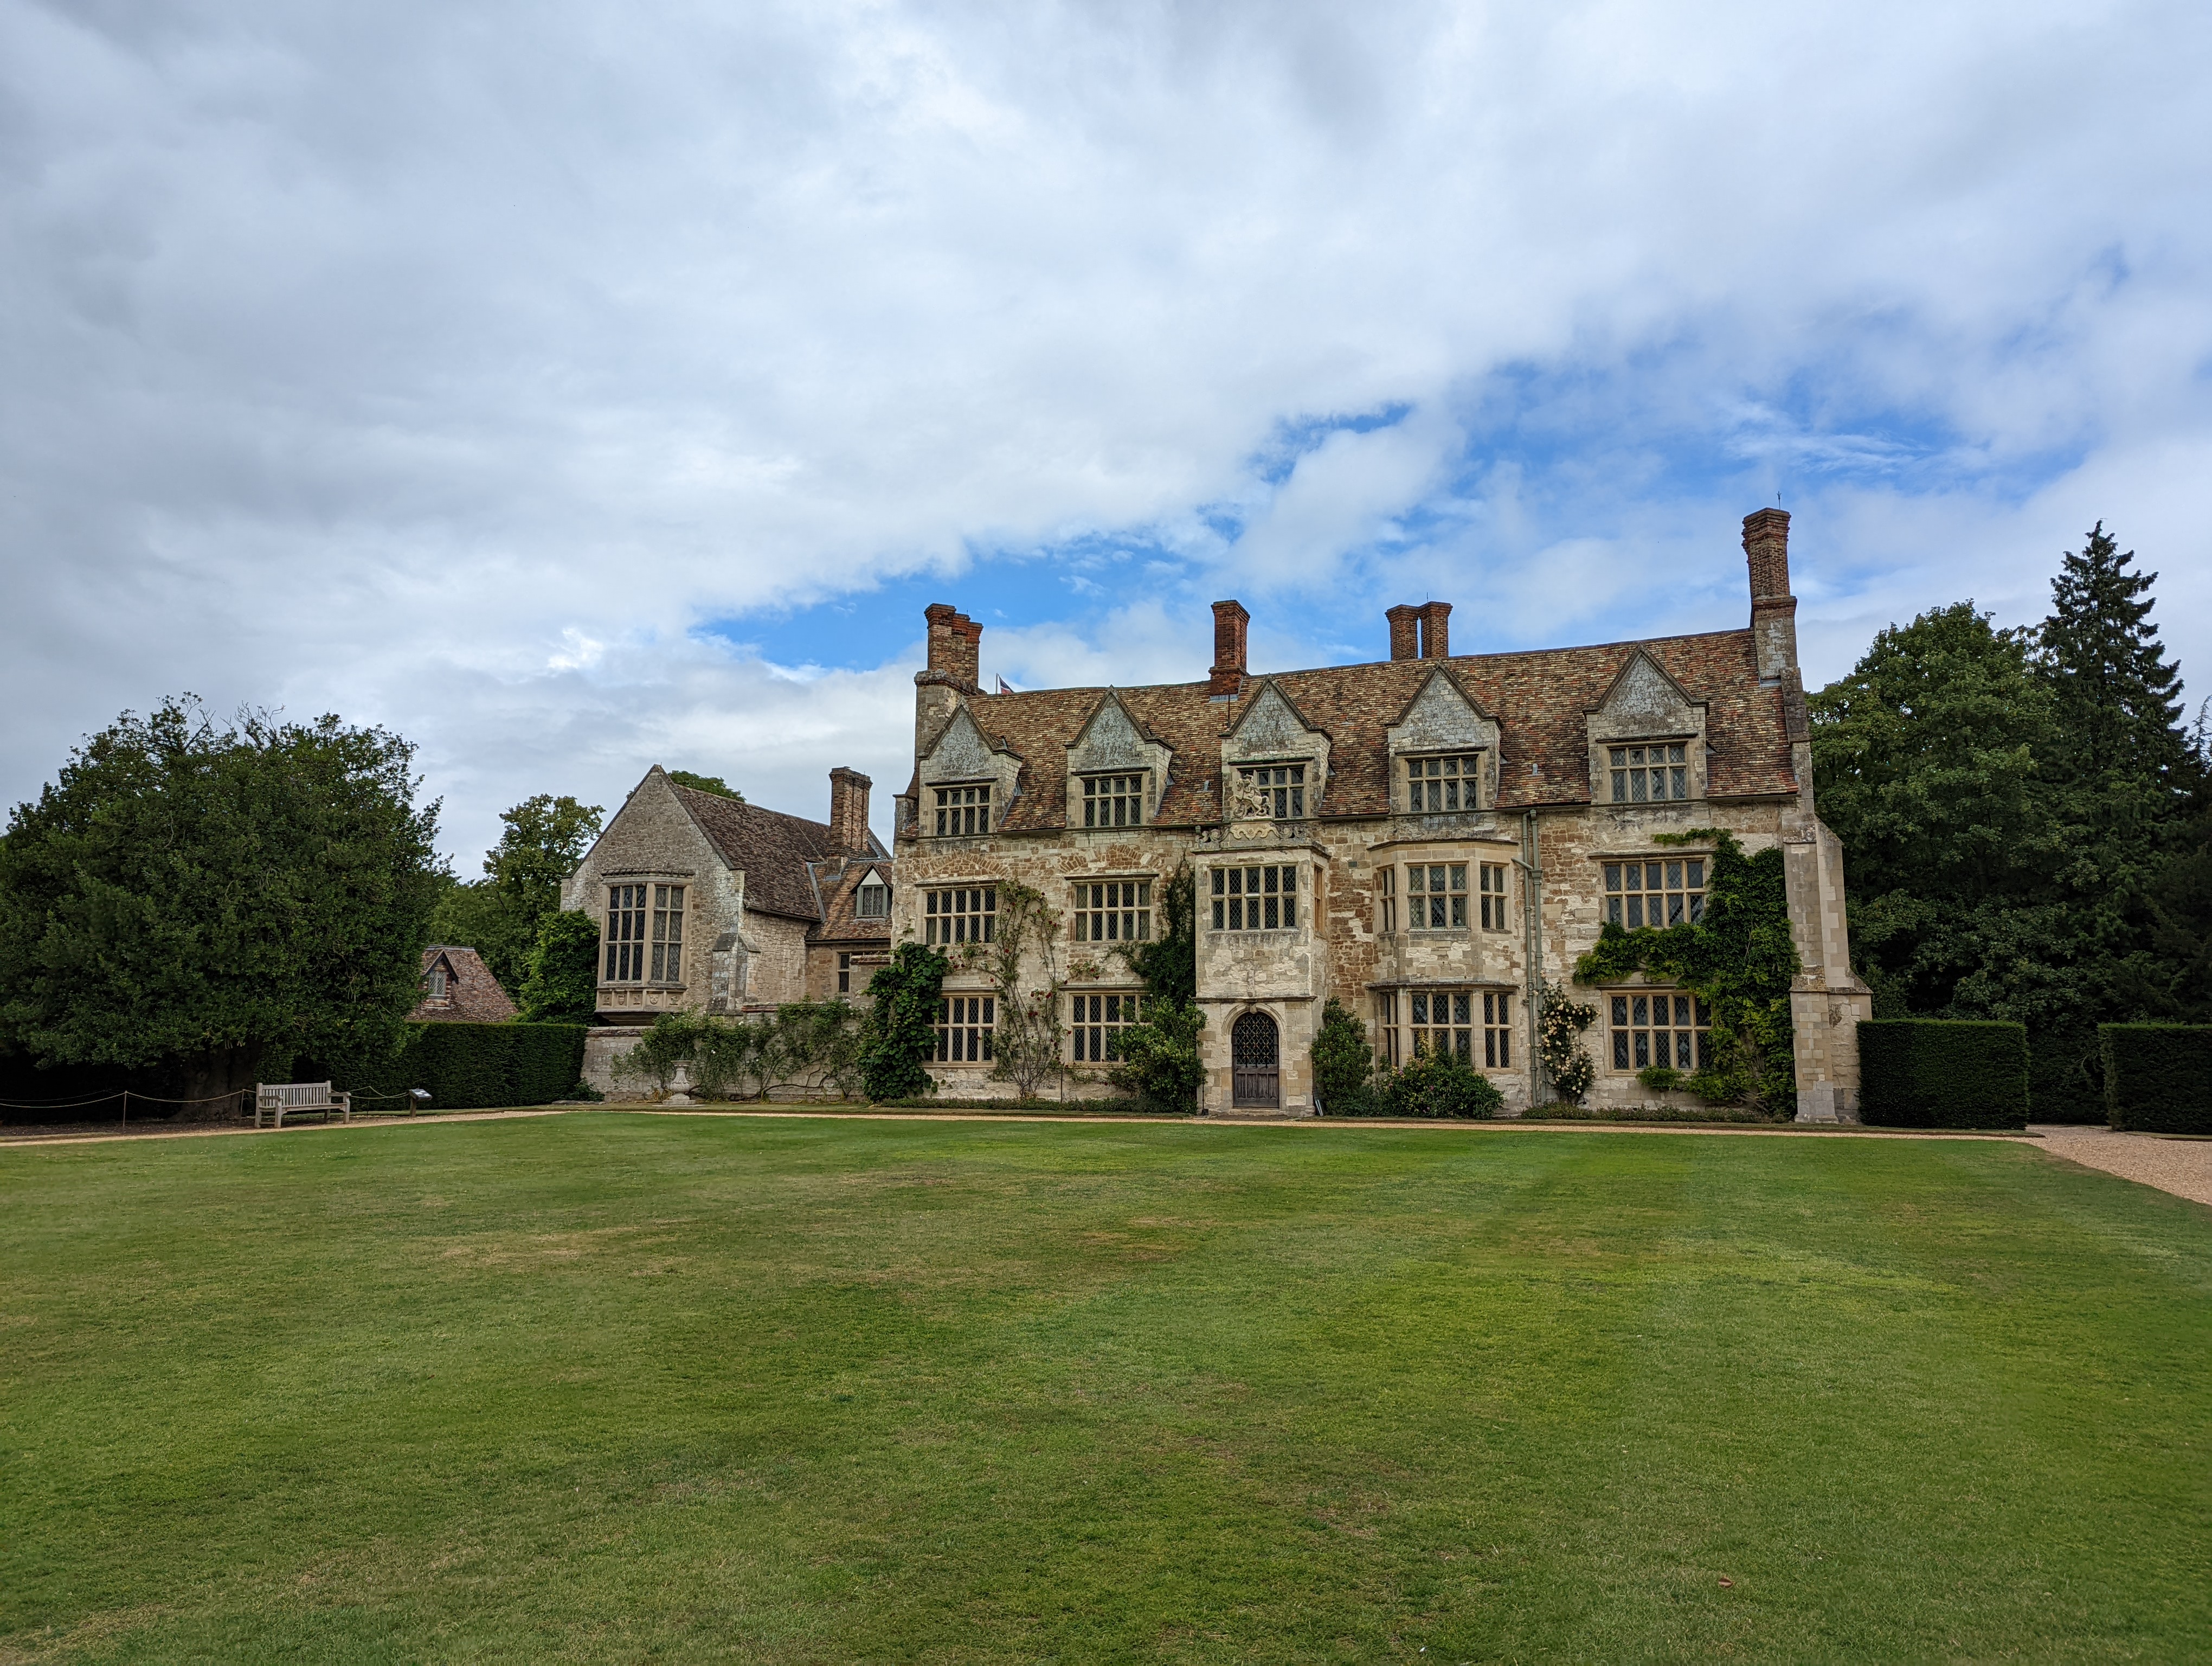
(284, 1099)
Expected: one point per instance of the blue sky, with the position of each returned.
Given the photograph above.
(573, 389)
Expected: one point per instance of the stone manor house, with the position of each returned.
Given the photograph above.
(1427, 838)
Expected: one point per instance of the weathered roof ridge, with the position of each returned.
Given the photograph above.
(772, 846)
(1539, 698)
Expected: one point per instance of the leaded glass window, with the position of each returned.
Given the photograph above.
(966, 915)
(1650, 775)
(1113, 911)
(1666, 893)
(1279, 790)
(1255, 899)
(1095, 1022)
(1661, 1027)
(625, 936)
(962, 809)
(1113, 800)
(1436, 894)
(1434, 784)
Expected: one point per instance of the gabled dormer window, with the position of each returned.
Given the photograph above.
(962, 811)
(873, 900)
(438, 983)
(1653, 773)
(1116, 800)
(1437, 784)
(1275, 791)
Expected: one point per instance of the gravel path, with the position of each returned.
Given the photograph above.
(2183, 1167)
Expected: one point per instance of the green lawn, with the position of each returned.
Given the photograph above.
(617, 1387)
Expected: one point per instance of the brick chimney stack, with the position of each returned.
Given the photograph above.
(848, 809)
(1405, 630)
(1436, 630)
(955, 648)
(1773, 609)
(1231, 622)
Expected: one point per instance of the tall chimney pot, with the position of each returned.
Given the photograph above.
(848, 809)
(1231, 622)
(1436, 630)
(1773, 609)
(1405, 630)
(955, 648)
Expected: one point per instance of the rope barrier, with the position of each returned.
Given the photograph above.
(126, 1095)
(120, 1093)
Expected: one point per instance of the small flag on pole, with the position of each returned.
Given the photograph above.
(1004, 687)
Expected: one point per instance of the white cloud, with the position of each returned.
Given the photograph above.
(447, 365)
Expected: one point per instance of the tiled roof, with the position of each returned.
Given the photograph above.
(472, 994)
(839, 884)
(1540, 700)
(771, 848)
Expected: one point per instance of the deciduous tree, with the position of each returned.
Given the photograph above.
(216, 899)
(499, 915)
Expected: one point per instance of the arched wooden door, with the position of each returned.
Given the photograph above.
(1256, 1075)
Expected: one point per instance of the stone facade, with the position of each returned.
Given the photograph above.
(1427, 838)
(707, 905)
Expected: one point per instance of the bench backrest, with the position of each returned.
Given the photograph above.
(292, 1095)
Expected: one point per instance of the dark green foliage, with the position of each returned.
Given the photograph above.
(1740, 959)
(472, 1066)
(1160, 1061)
(1943, 1073)
(2024, 822)
(1169, 964)
(901, 1034)
(1160, 1057)
(563, 984)
(211, 902)
(1436, 1086)
(2181, 900)
(2118, 698)
(499, 915)
(1343, 1060)
(2158, 1077)
(714, 784)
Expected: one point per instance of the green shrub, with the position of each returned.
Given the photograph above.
(1435, 1086)
(1342, 1061)
(2158, 1077)
(470, 1066)
(1943, 1073)
(1160, 1063)
(1662, 1077)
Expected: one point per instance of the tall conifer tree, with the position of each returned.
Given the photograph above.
(2119, 697)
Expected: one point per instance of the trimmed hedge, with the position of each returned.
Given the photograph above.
(2158, 1077)
(473, 1067)
(1943, 1073)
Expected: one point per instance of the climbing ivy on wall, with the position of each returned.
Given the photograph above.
(1738, 958)
(902, 1028)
